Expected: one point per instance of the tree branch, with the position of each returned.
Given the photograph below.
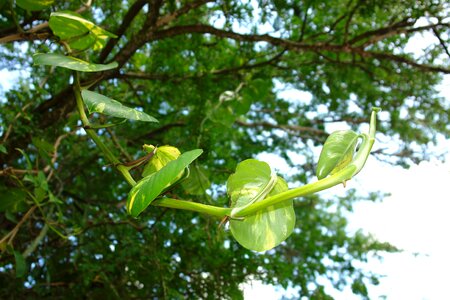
(289, 128)
(126, 21)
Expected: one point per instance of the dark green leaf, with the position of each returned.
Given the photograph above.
(104, 105)
(69, 62)
(3, 149)
(146, 190)
(12, 199)
(21, 265)
(78, 32)
(34, 4)
(337, 152)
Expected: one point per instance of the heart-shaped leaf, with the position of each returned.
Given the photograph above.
(34, 5)
(147, 189)
(337, 152)
(252, 182)
(69, 62)
(78, 32)
(96, 102)
(268, 227)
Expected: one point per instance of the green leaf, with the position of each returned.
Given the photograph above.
(78, 32)
(251, 182)
(147, 189)
(96, 102)
(21, 265)
(268, 227)
(13, 199)
(197, 182)
(337, 152)
(3, 149)
(34, 4)
(69, 62)
(162, 156)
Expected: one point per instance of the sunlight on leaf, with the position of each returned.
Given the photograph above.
(34, 5)
(337, 152)
(253, 181)
(96, 102)
(69, 62)
(78, 32)
(150, 187)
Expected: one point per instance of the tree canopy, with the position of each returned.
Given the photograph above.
(200, 75)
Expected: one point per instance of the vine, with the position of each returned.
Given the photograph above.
(261, 213)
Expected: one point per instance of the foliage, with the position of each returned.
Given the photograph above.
(209, 72)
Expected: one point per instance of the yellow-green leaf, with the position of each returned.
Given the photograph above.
(34, 4)
(150, 187)
(78, 32)
(337, 152)
(69, 62)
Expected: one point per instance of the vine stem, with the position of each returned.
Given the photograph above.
(340, 177)
(93, 135)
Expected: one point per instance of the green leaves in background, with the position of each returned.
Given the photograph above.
(34, 4)
(337, 152)
(146, 190)
(197, 182)
(78, 32)
(13, 199)
(69, 62)
(96, 102)
(252, 182)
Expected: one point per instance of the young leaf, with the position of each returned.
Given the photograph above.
(251, 182)
(337, 152)
(69, 62)
(146, 190)
(268, 227)
(33, 5)
(78, 32)
(21, 265)
(163, 155)
(96, 102)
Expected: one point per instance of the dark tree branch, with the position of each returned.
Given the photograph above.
(167, 19)
(126, 22)
(289, 128)
(349, 19)
(441, 41)
(406, 22)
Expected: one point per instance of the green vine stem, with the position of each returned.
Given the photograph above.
(340, 177)
(193, 206)
(93, 135)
